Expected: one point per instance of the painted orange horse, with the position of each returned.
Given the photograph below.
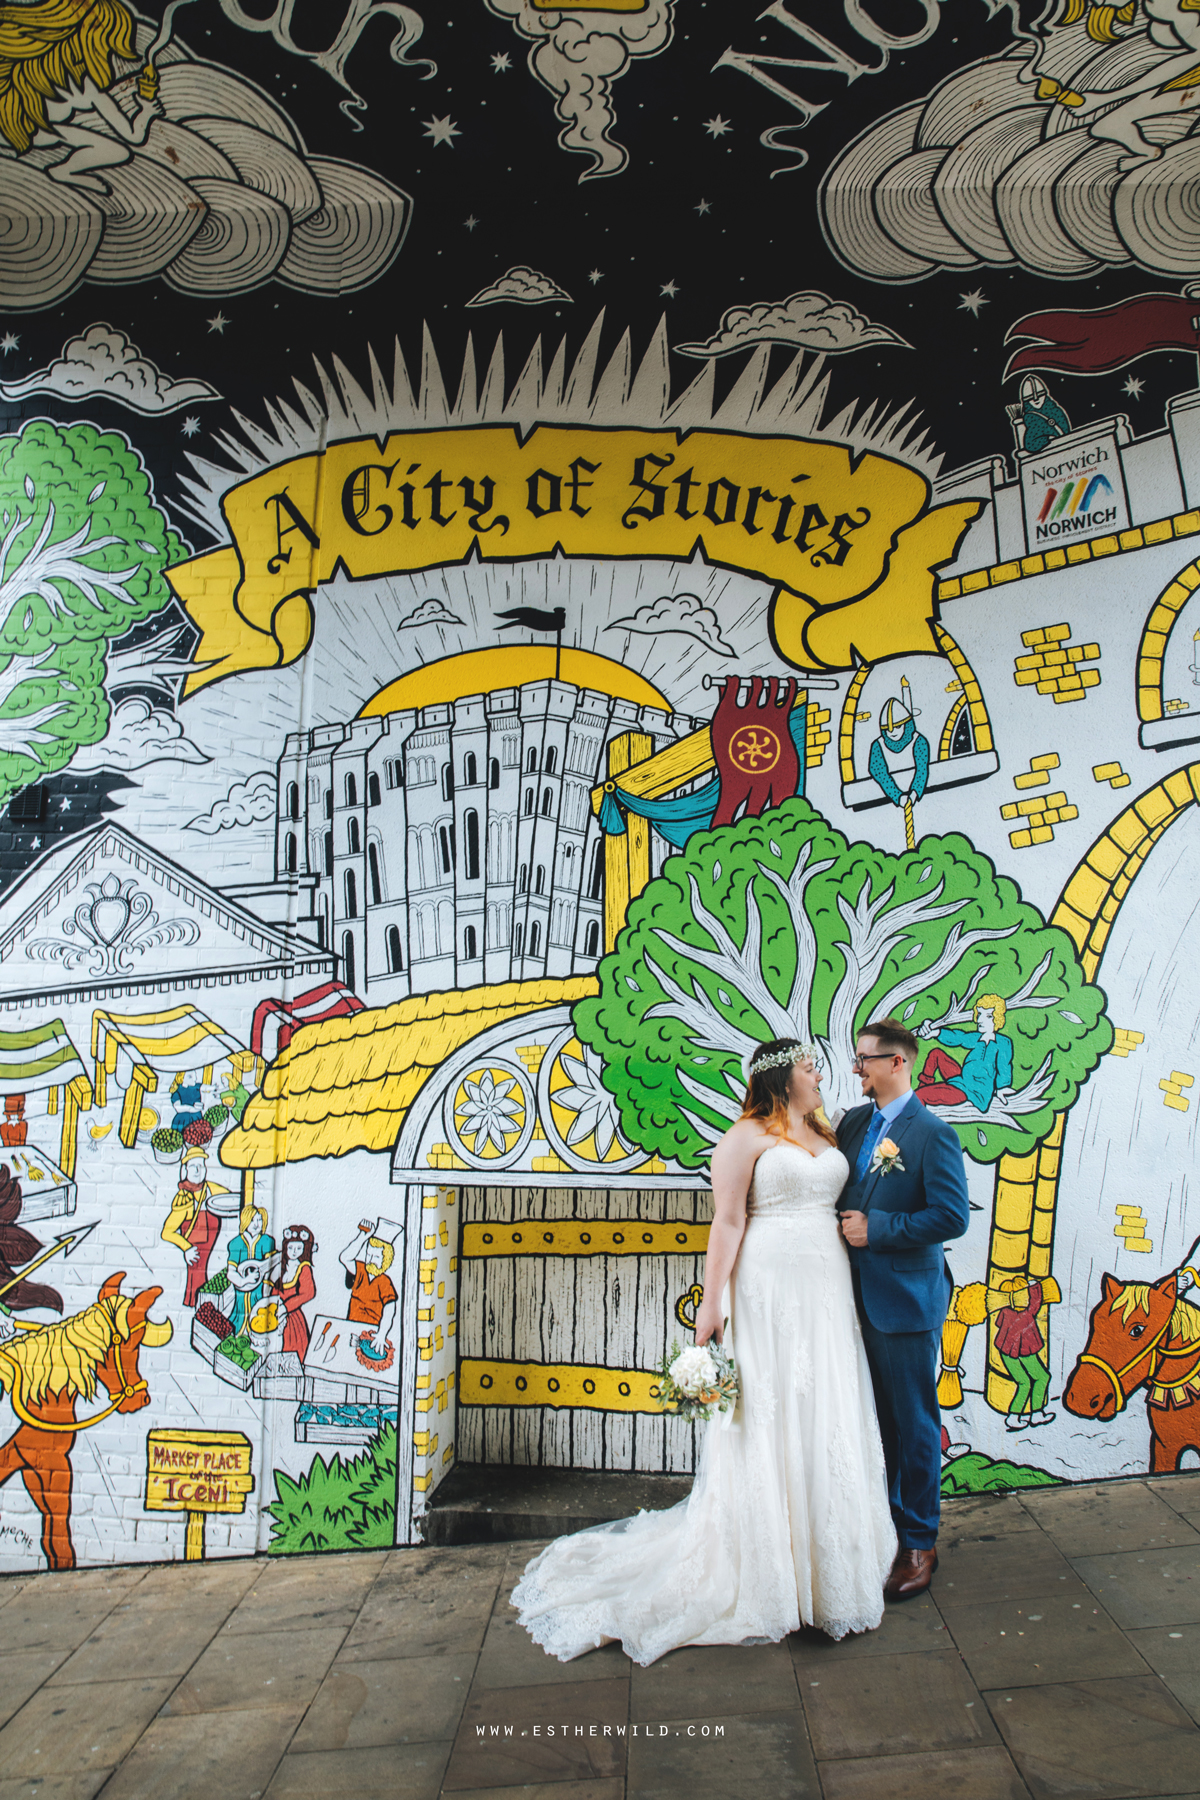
(1143, 1336)
(47, 1370)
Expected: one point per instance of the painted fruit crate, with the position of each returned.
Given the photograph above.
(230, 1372)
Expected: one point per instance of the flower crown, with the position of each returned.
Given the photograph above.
(797, 1053)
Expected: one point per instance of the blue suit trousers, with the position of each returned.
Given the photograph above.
(904, 1376)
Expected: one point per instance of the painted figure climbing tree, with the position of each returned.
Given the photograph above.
(83, 548)
(779, 927)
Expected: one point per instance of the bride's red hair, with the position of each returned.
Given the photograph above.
(767, 1094)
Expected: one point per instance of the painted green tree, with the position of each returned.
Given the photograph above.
(779, 927)
(83, 548)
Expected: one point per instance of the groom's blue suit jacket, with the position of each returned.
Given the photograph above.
(903, 1275)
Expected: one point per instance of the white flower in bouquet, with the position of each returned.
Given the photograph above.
(694, 1370)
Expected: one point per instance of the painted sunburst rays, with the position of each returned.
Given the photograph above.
(673, 624)
(360, 646)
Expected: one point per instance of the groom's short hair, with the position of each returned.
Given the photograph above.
(891, 1035)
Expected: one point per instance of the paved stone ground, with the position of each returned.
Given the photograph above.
(1059, 1655)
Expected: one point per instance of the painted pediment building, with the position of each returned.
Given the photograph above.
(107, 917)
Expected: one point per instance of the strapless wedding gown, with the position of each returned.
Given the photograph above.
(788, 1520)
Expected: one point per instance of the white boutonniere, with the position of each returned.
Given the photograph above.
(886, 1158)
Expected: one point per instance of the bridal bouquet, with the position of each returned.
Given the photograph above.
(697, 1382)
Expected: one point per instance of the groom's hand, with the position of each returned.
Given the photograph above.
(854, 1229)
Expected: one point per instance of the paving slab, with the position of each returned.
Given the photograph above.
(275, 1669)
(601, 1789)
(22, 1674)
(1109, 1517)
(912, 1627)
(72, 1731)
(510, 1658)
(361, 1774)
(1146, 1587)
(300, 1591)
(1099, 1740)
(1064, 1637)
(882, 1705)
(514, 1735)
(984, 1774)
(55, 1787)
(717, 1681)
(751, 1757)
(222, 1578)
(360, 1705)
(1017, 1566)
(144, 1639)
(428, 1603)
(51, 1613)
(182, 1758)
(984, 1517)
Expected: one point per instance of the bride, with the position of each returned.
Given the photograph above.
(788, 1520)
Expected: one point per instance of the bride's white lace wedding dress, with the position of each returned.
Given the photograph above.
(788, 1521)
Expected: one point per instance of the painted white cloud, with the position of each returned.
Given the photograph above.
(683, 614)
(246, 803)
(139, 734)
(103, 363)
(808, 320)
(525, 286)
(429, 612)
(578, 56)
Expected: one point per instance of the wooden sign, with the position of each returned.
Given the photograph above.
(197, 1473)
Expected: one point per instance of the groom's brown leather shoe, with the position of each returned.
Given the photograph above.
(911, 1574)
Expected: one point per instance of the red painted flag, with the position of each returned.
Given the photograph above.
(753, 749)
(1096, 343)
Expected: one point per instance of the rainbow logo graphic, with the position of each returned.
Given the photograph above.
(1076, 497)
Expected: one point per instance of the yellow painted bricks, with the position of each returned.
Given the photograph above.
(1112, 772)
(1125, 1042)
(1038, 817)
(1131, 1228)
(1039, 772)
(1053, 666)
(1172, 1087)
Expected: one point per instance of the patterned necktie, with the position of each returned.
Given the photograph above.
(873, 1134)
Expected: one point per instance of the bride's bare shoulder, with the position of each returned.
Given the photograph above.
(746, 1139)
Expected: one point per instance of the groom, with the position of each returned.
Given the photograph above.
(906, 1195)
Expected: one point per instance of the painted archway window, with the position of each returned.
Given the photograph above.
(471, 826)
(293, 800)
(353, 837)
(351, 791)
(351, 891)
(551, 760)
(395, 954)
(494, 772)
(289, 853)
(348, 958)
(470, 943)
(373, 867)
(374, 795)
(470, 768)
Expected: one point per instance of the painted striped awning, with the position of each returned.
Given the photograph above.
(41, 1057)
(177, 1037)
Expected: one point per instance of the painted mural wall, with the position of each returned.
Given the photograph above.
(539, 547)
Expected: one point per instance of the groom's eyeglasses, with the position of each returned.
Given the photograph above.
(875, 1056)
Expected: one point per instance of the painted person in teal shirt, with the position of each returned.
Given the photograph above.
(986, 1069)
(253, 1241)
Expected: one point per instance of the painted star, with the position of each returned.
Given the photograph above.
(501, 62)
(442, 131)
(717, 127)
(668, 290)
(64, 804)
(35, 843)
(471, 222)
(972, 302)
(9, 341)
(595, 275)
(1133, 386)
(190, 427)
(218, 323)
(704, 207)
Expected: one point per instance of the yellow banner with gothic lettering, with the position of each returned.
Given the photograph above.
(850, 545)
